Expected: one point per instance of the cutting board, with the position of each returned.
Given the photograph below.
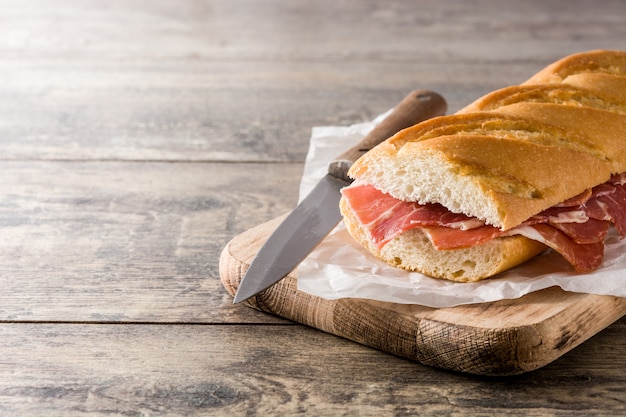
(506, 337)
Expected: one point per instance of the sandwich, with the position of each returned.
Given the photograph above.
(525, 169)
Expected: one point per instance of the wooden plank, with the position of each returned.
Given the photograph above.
(111, 241)
(208, 111)
(223, 81)
(351, 30)
(101, 370)
(214, 80)
(506, 337)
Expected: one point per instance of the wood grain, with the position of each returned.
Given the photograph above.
(234, 81)
(239, 30)
(129, 133)
(138, 242)
(201, 110)
(506, 337)
(60, 370)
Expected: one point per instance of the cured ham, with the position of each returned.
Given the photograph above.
(583, 257)
(593, 231)
(444, 238)
(386, 217)
(575, 228)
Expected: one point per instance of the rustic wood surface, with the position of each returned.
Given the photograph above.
(139, 137)
(502, 338)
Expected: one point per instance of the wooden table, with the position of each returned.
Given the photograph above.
(138, 137)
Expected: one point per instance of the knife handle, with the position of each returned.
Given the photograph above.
(417, 106)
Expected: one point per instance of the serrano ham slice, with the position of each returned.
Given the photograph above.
(575, 228)
(386, 217)
(446, 238)
(592, 231)
(583, 257)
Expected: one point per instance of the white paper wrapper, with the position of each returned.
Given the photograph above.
(340, 268)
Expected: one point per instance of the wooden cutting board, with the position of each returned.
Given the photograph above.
(500, 338)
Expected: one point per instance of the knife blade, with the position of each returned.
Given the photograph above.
(318, 213)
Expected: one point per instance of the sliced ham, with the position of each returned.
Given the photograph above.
(444, 238)
(593, 231)
(614, 205)
(387, 217)
(583, 257)
(575, 228)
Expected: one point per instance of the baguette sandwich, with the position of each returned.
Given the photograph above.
(527, 168)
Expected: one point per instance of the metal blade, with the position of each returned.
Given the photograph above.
(303, 229)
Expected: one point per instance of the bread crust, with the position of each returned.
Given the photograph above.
(597, 61)
(502, 159)
(514, 152)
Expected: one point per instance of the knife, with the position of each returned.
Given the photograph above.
(313, 219)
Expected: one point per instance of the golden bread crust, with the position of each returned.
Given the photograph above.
(516, 151)
(597, 61)
(504, 158)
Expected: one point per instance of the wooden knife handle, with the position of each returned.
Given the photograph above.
(417, 106)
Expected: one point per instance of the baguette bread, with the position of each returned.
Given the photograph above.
(503, 159)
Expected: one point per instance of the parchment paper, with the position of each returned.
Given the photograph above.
(340, 268)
